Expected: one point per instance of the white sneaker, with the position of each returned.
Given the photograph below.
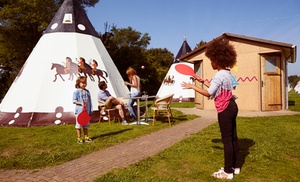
(105, 118)
(222, 175)
(236, 170)
(103, 113)
(124, 122)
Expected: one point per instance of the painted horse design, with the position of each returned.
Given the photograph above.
(99, 73)
(60, 70)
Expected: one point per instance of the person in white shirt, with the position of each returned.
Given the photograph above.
(135, 89)
(222, 56)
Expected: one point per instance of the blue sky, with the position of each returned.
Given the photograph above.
(168, 21)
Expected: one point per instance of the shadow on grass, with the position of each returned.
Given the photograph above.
(181, 118)
(111, 133)
(164, 119)
(245, 145)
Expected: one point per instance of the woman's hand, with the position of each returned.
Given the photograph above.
(204, 92)
(186, 85)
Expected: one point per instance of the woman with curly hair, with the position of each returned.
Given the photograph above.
(223, 56)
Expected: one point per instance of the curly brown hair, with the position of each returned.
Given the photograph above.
(221, 52)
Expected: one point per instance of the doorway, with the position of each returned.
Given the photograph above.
(271, 82)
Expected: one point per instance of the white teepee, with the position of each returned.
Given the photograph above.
(297, 88)
(172, 85)
(173, 79)
(43, 90)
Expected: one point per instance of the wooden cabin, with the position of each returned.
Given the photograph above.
(259, 77)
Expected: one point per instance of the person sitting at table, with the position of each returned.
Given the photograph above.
(110, 101)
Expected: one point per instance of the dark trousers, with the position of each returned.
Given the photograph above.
(227, 124)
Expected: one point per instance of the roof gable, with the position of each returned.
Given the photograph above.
(288, 49)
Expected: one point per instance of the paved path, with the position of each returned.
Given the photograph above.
(87, 168)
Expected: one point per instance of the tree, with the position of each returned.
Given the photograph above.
(22, 23)
(160, 59)
(128, 48)
(201, 43)
(158, 63)
(293, 80)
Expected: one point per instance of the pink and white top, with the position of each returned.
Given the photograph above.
(221, 89)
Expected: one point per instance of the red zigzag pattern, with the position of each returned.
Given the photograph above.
(240, 79)
(247, 78)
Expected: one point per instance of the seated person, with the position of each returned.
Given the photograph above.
(110, 101)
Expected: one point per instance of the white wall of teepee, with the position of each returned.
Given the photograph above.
(174, 86)
(35, 90)
(42, 95)
(36, 83)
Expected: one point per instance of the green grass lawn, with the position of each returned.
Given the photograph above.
(294, 99)
(269, 149)
(269, 152)
(183, 104)
(37, 147)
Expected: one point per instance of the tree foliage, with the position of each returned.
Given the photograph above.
(293, 80)
(160, 59)
(22, 23)
(128, 48)
(201, 43)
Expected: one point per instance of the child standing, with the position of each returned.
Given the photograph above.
(223, 56)
(82, 97)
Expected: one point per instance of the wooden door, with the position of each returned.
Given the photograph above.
(271, 83)
(198, 97)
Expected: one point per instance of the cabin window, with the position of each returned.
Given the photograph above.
(270, 65)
